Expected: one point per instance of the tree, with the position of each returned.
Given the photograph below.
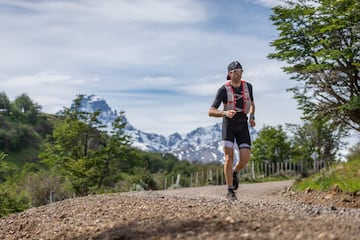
(115, 150)
(271, 145)
(318, 136)
(354, 153)
(83, 153)
(320, 42)
(5, 106)
(25, 110)
(6, 168)
(22, 125)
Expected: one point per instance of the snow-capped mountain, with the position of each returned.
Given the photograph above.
(92, 103)
(200, 145)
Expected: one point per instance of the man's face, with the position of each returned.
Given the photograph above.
(236, 74)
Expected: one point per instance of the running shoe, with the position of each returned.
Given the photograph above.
(235, 181)
(231, 195)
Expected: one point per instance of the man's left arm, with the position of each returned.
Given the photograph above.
(252, 114)
(252, 108)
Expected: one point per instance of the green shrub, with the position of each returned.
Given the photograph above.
(12, 201)
(41, 184)
(342, 176)
(144, 179)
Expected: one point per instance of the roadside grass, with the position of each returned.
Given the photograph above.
(344, 177)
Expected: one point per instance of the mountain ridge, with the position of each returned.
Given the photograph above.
(202, 144)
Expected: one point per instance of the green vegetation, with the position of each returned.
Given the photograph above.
(271, 145)
(342, 176)
(319, 43)
(45, 156)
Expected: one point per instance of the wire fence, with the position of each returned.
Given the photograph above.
(253, 171)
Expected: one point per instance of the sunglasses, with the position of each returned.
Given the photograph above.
(236, 71)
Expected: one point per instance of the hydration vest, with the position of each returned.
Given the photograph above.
(231, 100)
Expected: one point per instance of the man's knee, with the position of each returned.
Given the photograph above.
(229, 162)
(229, 159)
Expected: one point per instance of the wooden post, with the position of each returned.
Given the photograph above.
(178, 180)
(217, 176)
(252, 170)
(197, 179)
(52, 196)
(222, 177)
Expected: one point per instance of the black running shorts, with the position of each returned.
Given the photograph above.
(236, 129)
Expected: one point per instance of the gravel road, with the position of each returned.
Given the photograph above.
(262, 211)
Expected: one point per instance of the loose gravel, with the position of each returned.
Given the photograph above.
(262, 211)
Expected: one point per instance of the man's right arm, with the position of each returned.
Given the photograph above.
(214, 112)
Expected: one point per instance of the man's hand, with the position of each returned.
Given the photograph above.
(230, 113)
(252, 122)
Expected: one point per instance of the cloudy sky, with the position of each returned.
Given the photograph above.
(160, 61)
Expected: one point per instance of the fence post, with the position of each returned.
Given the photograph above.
(52, 196)
(178, 180)
(191, 176)
(197, 179)
(222, 175)
(217, 176)
(252, 170)
(165, 184)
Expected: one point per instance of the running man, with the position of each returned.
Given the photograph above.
(237, 98)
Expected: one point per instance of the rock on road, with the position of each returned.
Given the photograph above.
(261, 212)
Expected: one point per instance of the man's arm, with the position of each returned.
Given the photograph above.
(252, 114)
(214, 112)
(252, 109)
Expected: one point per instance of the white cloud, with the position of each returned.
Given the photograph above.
(269, 3)
(161, 61)
(51, 90)
(120, 11)
(39, 79)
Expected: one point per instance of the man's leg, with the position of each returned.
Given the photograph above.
(228, 165)
(228, 169)
(244, 154)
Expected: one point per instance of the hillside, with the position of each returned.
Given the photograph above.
(263, 211)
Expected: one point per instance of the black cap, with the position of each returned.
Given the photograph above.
(234, 65)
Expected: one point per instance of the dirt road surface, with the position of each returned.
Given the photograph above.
(262, 211)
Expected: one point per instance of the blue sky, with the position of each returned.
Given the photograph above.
(161, 61)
